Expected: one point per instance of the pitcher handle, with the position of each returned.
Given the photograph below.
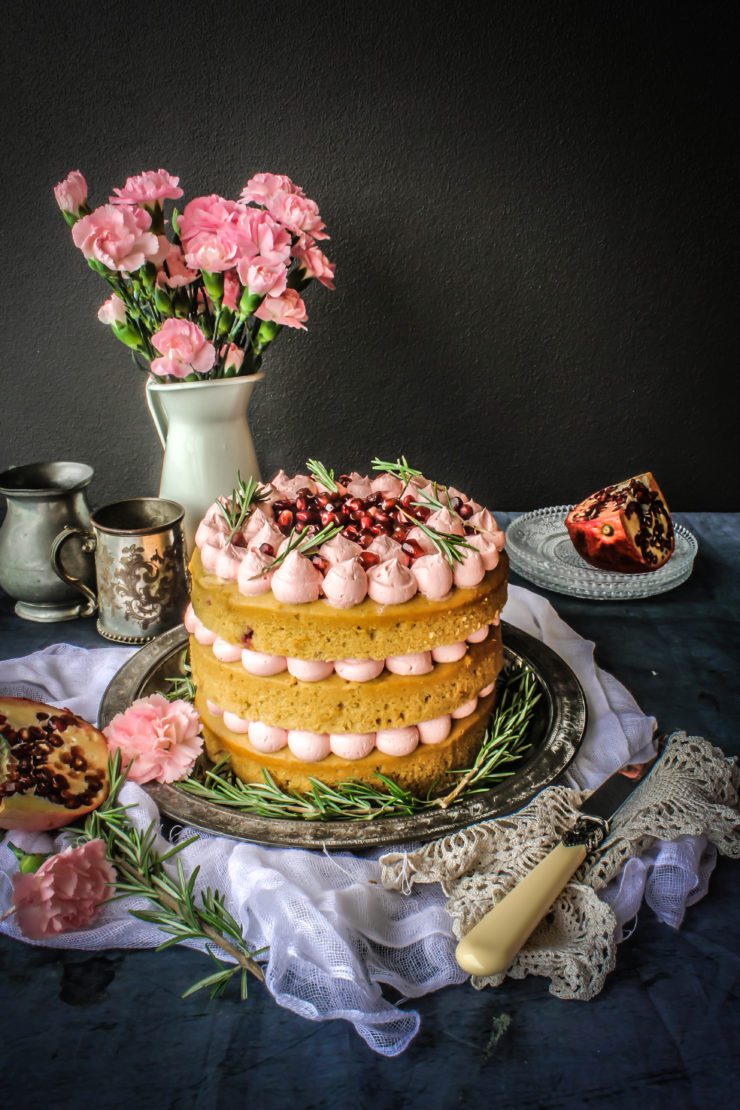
(88, 544)
(157, 414)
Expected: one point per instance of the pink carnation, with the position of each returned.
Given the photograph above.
(212, 251)
(204, 215)
(262, 279)
(287, 309)
(258, 234)
(65, 893)
(185, 349)
(299, 214)
(157, 739)
(148, 188)
(71, 194)
(233, 357)
(314, 264)
(112, 311)
(264, 186)
(119, 238)
(175, 273)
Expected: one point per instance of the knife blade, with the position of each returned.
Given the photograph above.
(491, 945)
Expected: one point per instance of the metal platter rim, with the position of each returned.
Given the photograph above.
(566, 708)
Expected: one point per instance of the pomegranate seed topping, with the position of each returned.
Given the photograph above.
(301, 527)
(408, 502)
(400, 533)
(301, 504)
(381, 517)
(412, 548)
(328, 517)
(422, 512)
(320, 564)
(355, 505)
(304, 491)
(305, 516)
(323, 499)
(366, 521)
(456, 504)
(465, 512)
(377, 529)
(374, 499)
(351, 532)
(267, 549)
(278, 506)
(239, 540)
(366, 539)
(344, 479)
(469, 530)
(285, 519)
(388, 503)
(369, 559)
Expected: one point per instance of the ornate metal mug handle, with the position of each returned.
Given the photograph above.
(88, 544)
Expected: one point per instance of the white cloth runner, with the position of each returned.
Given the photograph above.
(334, 934)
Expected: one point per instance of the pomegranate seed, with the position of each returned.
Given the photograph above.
(278, 506)
(355, 505)
(300, 527)
(381, 517)
(374, 499)
(304, 516)
(267, 549)
(469, 530)
(351, 532)
(465, 512)
(328, 517)
(344, 478)
(239, 540)
(366, 539)
(323, 499)
(408, 502)
(320, 564)
(304, 491)
(422, 512)
(388, 503)
(301, 503)
(366, 521)
(455, 504)
(400, 534)
(377, 529)
(412, 548)
(369, 559)
(285, 519)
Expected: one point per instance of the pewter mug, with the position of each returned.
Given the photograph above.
(140, 563)
(42, 498)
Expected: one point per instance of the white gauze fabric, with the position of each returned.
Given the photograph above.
(335, 935)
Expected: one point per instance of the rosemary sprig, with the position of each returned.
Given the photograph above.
(244, 497)
(505, 741)
(181, 685)
(304, 543)
(177, 910)
(400, 468)
(446, 543)
(322, 475)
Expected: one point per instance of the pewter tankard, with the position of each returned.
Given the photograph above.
(140, 563)
(42, 498)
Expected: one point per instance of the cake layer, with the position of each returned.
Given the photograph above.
(316, 630)
(336, 705)
(423, 769)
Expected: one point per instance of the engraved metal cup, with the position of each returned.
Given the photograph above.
(140, 564)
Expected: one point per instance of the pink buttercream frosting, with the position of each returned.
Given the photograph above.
(478, 636)
(226, 652)
(296, 581)
(385, 547)
(351, 745)
(416, 662)
(397, 741)
(489, 550)
(359, 670)
(214, 708)
(268, 533)
(288, 487)
(235, 723)
(345, 584)
(433, 576)
(487, 690)
(250, 579)
(189, 619)
(391, 583)
(486, 521)
(227, 563)
(359, 485)
(213, 524)
(267, 738)
(256, 520)
(449, 653)
(436, 730)
(425, 543)
(310, 747)
(258, 663)
(387, 484)
(339, 549)
(310, 670)
(470, 571)
(445, 521)
(464, 710)
(204, 635)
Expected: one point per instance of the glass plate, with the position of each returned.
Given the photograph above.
(541, 551)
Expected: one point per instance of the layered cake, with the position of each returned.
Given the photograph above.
(341, 628)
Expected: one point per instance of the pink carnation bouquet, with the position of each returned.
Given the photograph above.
(201, 292)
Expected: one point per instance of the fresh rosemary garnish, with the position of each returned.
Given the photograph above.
(322, 475)
(304, 543)
(243, 498)
(181, 685)
(505, 741)
(177, 909)
(400, 468)
(446, 543)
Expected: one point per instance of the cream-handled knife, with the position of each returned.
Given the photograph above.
(492, 944)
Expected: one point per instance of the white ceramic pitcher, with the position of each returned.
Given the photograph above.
(206, 438)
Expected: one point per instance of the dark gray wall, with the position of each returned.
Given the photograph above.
(533, 215)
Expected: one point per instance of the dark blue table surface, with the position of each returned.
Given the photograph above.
(110, 1030)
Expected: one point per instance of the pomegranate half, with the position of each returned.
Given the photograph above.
(626, 527)
(53, 766)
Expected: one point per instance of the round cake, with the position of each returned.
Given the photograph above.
(345, 628)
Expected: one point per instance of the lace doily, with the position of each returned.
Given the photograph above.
(692, 791)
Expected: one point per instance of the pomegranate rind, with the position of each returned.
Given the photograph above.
(62, 760)
(625, 528)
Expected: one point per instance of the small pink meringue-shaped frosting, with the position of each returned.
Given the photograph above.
(338, 549)
(416, 662)
(470, 571)
(228, 562)
(267, 738)
(433, 575)
(486, 521)
(359, 670)
(214, 708)
(385, 547)
(445, 521)
(310, 670)
(250, 579)
(213, 524)
(449, 653)
(210, 553)
(486, 690)
(226, 652)
(351, 745)
(296, 581)
(484, 543)
(270, 534)
(190, 620)
(258, 663)
(235, 723)
(479, 636)
(397, 741)
(308, 746)
(425, 543)
(465, 709)
(289, 487)
(204, 635)
(391, 583)
(387, 484)
(257, 519)
(345, 584)
(436, 730)
(359, 485)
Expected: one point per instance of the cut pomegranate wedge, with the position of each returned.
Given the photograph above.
(626, 527)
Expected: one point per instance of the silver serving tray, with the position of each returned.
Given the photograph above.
(557, 732)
